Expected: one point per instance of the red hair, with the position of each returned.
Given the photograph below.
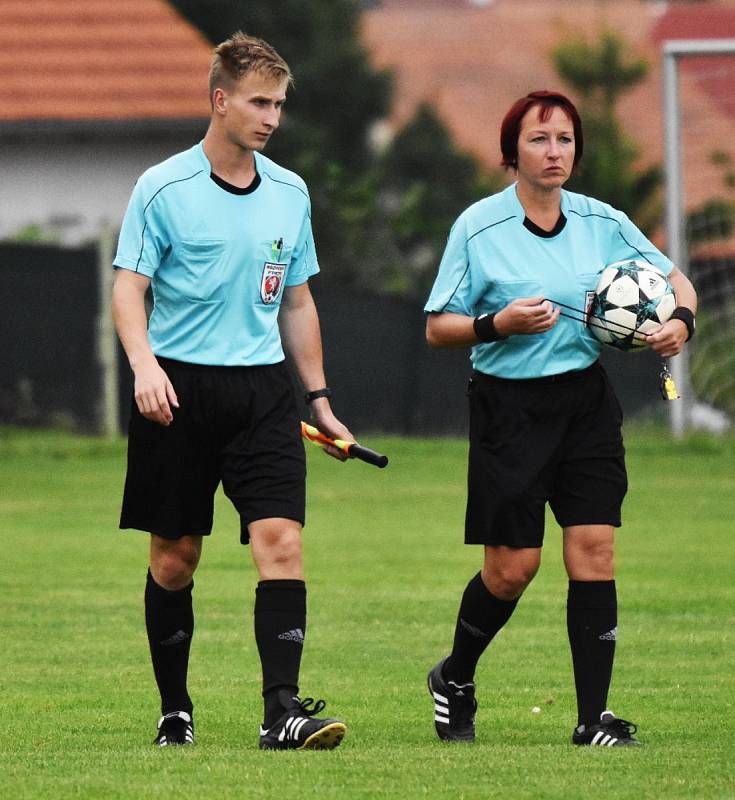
(546, 102)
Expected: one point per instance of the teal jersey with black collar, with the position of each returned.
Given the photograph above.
(218, 261)
(492, 258)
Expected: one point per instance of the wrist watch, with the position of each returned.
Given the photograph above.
(325, 392)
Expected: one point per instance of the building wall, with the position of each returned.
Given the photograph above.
(72, 183)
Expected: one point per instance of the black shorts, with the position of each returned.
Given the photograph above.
(555, 440)
(237, 425)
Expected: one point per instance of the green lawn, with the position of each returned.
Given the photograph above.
(386, 569)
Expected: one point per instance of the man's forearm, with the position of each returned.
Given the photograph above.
(302, 339)
(304, 345)
(131, 322)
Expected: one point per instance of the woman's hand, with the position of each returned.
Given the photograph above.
(526, 315)
(669, 339)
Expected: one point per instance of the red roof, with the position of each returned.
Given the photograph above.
(100, 60)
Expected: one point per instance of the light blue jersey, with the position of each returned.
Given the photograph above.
(492, 258)
(218, 261)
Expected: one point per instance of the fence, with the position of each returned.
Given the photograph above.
(61, 365)
(49, 373)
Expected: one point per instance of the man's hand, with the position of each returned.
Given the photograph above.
(526, 315)
(154, 393)
(328, 424)
(669, 339)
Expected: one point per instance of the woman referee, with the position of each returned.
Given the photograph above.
(545, 424)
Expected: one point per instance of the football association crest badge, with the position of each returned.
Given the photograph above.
(271, 282)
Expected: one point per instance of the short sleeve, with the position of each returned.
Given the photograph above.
(631, 243)
(143, 240)
(452, 287)
(304, 262)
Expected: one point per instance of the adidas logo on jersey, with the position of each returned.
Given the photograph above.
(610, 636)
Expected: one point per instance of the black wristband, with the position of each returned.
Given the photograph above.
(484, 327)
(325, 392)
(685, 315)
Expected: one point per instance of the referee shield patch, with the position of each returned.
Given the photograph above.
(271, 282)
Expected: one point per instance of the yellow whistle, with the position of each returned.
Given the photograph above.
(670, 389)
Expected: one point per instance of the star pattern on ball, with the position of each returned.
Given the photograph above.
(632, 299)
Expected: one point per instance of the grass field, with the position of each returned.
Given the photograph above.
(386, 568)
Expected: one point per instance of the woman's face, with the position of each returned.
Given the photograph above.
(545, 149)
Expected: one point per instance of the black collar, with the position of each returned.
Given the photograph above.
(228, 187)
(557, 229)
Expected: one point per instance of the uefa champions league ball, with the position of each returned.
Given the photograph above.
(632, 298)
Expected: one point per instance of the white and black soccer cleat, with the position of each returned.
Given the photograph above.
(175, 728)
(299, 729)
(609, 732)
(454, 707)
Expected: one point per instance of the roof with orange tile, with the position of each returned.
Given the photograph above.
(100, 60)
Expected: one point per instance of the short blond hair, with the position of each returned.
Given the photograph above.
(241, 54)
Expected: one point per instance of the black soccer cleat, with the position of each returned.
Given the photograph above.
(175, 728)
(454, 707)
(609, 732)
(299, 729)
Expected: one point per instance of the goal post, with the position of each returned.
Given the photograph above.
(108, 414)
(673, 51)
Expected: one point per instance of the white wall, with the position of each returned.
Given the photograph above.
(71, 185)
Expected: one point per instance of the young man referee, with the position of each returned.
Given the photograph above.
(223, 236)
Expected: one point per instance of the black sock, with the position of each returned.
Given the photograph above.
(169, 621)
(280, 626)
(592, 620)
(481, 616)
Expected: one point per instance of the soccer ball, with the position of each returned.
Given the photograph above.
(632, 298)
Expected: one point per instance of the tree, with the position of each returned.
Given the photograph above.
(336, 99)
(380, 220)
(337, 94)
(425, 182)
(600, 74)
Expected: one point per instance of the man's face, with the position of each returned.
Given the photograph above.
(545, 149)
(251, 111)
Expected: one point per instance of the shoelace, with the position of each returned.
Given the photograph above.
(173, 715)
(464, 698)
(623, 728)
(461, 689)
(309, 707)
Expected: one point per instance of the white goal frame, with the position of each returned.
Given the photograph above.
(672, 51)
